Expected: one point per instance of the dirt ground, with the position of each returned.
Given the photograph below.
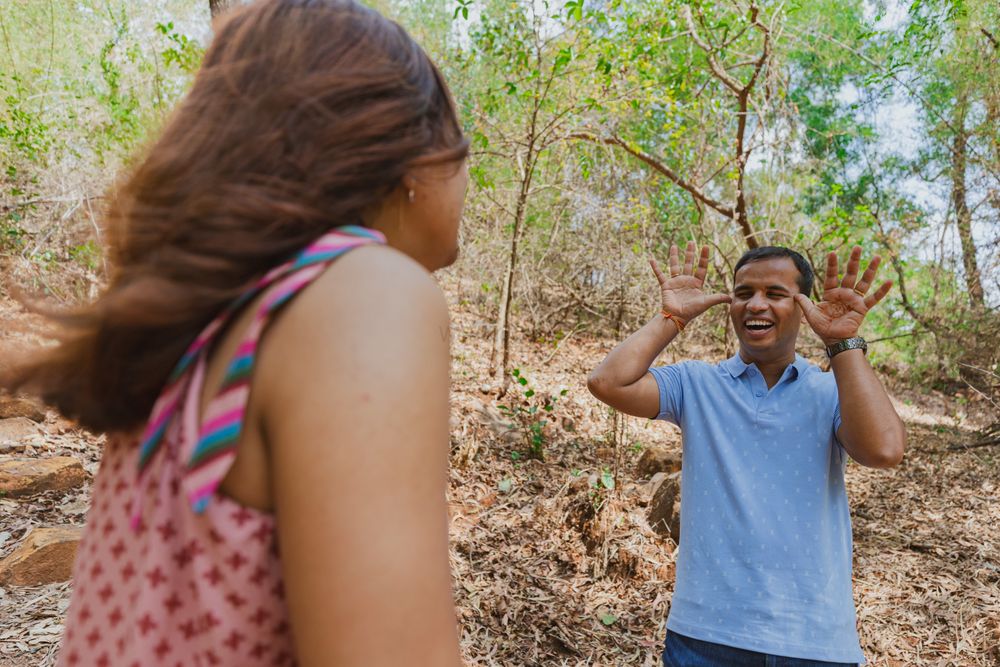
(553, 567)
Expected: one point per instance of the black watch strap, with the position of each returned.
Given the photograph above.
(853, 343)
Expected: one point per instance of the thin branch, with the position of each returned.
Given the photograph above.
(989, 36)
(659, 166)
(47, 200)
(717, 68)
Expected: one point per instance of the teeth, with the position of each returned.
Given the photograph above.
(758, 323)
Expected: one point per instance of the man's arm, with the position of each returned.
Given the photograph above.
(870, 431)
(623, 380)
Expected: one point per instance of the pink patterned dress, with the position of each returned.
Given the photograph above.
(171, 573)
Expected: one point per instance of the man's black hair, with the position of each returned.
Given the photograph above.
(806, 275)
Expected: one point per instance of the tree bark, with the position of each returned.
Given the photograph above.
(501, 342)
(963, 216)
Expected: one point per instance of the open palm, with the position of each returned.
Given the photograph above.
(845, 302)
(682, 293)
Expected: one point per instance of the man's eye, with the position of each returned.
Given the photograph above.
(776, 295)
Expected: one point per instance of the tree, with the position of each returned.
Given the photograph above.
(524, 85)
(729, 55)
(953, 56)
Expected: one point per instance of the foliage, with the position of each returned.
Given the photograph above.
(81, 87)
(602, 132)
(530, 412)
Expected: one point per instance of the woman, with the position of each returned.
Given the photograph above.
(270, 361)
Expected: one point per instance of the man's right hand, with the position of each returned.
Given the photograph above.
(682, 293)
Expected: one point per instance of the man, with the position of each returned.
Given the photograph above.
(764, 568)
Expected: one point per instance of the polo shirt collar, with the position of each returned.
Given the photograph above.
(737, 367)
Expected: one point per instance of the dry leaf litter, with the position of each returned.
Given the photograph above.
(554, 561)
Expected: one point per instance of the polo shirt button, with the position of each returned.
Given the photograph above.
(758, 394)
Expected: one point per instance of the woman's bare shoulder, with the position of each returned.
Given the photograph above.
(377, 278)
(373, 308)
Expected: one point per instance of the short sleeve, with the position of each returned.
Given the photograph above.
(837, 421)
(669, 379)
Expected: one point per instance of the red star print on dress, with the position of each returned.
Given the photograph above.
(160, 580)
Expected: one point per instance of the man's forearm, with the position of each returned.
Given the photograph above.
(871, 431)
(631, 359)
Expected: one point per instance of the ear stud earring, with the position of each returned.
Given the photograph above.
(411, 195)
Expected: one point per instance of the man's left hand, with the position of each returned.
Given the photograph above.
(845, 302)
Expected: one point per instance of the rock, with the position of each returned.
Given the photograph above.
(661, 508)
(16, 429)
(22, 476)
(655, 460)
(19, 406)
(650, 487)
(44, 557)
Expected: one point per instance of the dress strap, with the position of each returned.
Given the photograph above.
(223, 420)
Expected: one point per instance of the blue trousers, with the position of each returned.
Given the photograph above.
(681, 651)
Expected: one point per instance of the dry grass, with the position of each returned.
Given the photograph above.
(552, 568)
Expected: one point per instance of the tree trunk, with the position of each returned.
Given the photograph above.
(963, 215)
(218, 6)
(501, 342)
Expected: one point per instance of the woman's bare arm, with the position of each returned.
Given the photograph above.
(354, 385)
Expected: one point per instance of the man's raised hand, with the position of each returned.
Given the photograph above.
(845, 302)
(682, 292)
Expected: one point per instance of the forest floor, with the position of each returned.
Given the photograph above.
(553, 567)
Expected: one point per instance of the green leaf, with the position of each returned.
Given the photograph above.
(529, 393)
(522, 381)
(609, 619)
(608, 480)
(506, 485)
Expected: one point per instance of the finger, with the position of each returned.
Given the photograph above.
(716, 299)
(807, 306)
(868, 276)
(853, 264)
(656, 271)
(675, 262)
(702, 265)
(878, 294)
(831, 272)
(689, 259)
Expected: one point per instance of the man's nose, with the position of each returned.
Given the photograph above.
(757, 303)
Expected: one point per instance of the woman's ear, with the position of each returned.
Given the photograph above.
(409, 186)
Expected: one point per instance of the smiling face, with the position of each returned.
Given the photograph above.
(763, 311)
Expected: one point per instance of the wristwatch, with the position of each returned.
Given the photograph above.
(853, 343)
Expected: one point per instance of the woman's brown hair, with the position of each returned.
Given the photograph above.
(305, 115)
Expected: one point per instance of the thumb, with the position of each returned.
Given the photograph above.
(807, 306)
(716, 299)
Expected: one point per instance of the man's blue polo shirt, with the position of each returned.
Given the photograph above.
(764, 562)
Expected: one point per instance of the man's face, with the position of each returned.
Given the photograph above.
(763, 310)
